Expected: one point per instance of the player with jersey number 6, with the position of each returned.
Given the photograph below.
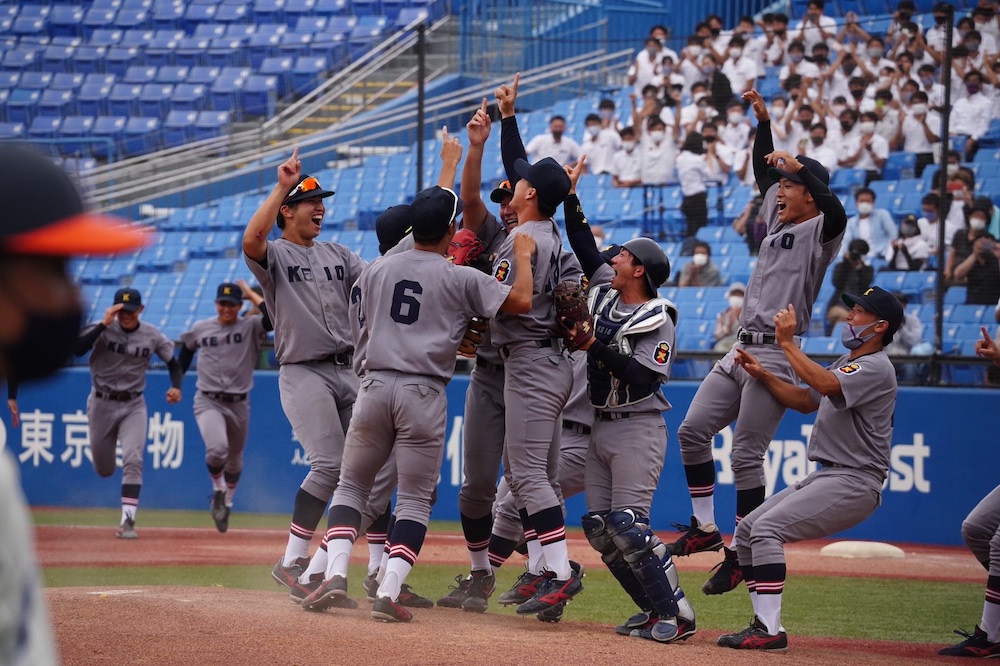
(116, 410)
(229, 346)
(805, 226)
(854, 400)
(409, 310)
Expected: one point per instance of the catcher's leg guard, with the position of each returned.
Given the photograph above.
(647, 556)
(596, 530)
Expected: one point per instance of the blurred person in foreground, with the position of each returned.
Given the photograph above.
(44, 224)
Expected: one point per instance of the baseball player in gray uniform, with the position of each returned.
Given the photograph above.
(854, 400)
(409, 310)
(981, 531)
(805, 226)
(630, 352)
(116, 410)
(229, 347)
(306, 291)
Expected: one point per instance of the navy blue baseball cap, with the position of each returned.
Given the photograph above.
(307, 188)
(882, 304)
(610, 252)
(130, 299)
(548, 178)
(229, 292)
(814, 167)
(501, 191)
(432, 210)
(391, 226)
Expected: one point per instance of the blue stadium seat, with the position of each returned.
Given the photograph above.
(954, 295)
(262, 46)
(56, 103)
(141, 136)
(72, 129)
(123, 100)
(223, 52)
(907, 203)
(308, 72)
(188, 97)
(331, 7)
(178, 128)
(846, 181)
(203, 74)
(168, 15)
(66, 20)
(140, 74)
(100, 79)
(240, 31)
(154, 100)
(294, 44)
(58, 57)
(92, 99)
(161, 50)
(281, 69)
(191, 51)
(361, 40)
(883, 190)
(87, 59)
(341, 24)
(9, 79)
(106, 37)
(172, 74)
(821, 345)
(66, 81)
(28, 26)
(197, 14)
(259, 95)
(233, 13)
(22, 105)
(44, 127)
(210, 31)
(899, 164)
(120, 58)
(137, 37)
(20, 59)
(971, 314)
(268, 11)
(366, 7)
(224, 92)
(310, 24)
(12, 131)
(211, 124)
(35, 80)
(133, 18)
(329, 45)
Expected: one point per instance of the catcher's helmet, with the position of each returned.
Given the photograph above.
(649, 253)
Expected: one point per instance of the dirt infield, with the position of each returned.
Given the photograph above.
(182, 625)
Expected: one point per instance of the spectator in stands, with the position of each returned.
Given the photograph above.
(743, 159)
(736, 132)
(658, 152)
(901, 17)
(917, 133)
(719, 86)
(606, 110)
(818, 148)
(815, 26)
(887, 111)
(985, 204)
(874, 225)
(874, 60)
(987, 23)
(778, 112)
(699, 111)
(953, 170)
(861, 147)
(856, 87)
(908, 341)
(553, 144)
(798, 122)
(909, 251)
(928, 221)
(795, 63)
(927, 78)
(695, 165)
(750, 224)
(970, 116)
(973, 43)
(831, 120)
(727, 322)
(645, 67)
(776, 36)
(852, 275)
(669, 76)
(739, 67)
(688, 65)
(719, 39)
(599, 145)
(935, 36)
(852, 34)
(963, 245)
(981, 270)
(626, 165)
(700, 271)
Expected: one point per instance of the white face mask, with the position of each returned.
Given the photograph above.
(629, 146)
(735, 117)
(866, 127)
(951, 169)
(593, 130)
(735, 53)
(777, 112)
(865, 207)
(883, 81)
(874, 52)
(977, 223)
(657, 136)
(698, 96)
(837, 109)
(918, 109)
(736, 302)
(700, 259)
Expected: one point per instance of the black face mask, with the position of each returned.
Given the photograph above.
(44, 347)
(710, 139)
(715, 31)
(557, 135)
(847, 126)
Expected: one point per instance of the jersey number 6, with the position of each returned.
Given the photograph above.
(406, 308)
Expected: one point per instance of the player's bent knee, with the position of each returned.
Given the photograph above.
(595, 529)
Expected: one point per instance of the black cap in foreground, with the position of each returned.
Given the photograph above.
(391, 226)
(432, 210)
(814, 167)
(548, 178)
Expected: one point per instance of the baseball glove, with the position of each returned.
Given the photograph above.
(572, 314)
(465, 248)
(473, 337)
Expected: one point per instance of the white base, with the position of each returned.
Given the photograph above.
(862, 550)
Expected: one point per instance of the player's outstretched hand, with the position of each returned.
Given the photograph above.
(451, 147)
(783, 160)
(784, 324)
(290, 170)
(987, 347)
(574, 173)
(109, 314)
(506, 95)
(15, 413)
(478, 128)
(173, 395)
(749, 362)
(757, 102)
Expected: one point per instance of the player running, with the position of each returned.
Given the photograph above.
(805, 226)
(854, 400)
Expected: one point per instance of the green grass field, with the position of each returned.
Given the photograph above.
(864, 608)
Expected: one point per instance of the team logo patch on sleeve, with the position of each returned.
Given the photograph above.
(503, 270)
(662, 352)
(849, 369)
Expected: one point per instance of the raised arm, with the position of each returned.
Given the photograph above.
(511, 145)
(581, 237)
(451, 155)
(763, 144)
(264, 219)
(478, 131)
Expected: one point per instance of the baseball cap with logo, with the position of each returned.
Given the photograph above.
(547, 177)
(501, 191)
(43, 212)
(432, 210)
(391, 226)
(229, 293)
(130, 299)
(307, 188)
(882, 304)
(814, 167)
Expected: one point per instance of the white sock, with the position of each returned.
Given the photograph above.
(316, 565)
(704, 509)
(480, 559)
(392, 584)
(338, 553)
(753, 602)
(128, 511)
(219, 483)
(536, 556)
(374, 556)
(991, 622)
(382, 566)
(297, 548)
(230, 491)
(557, 559)
(769, 612)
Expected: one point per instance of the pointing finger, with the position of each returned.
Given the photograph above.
(484, 106)
(517, 78)
(444, 132)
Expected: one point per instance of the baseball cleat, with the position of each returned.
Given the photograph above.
(643, 620)
(524, 588)
(410, 599)
(552, 592)
(975, 645)
(685, 628)
(553, 614)
(481, 586)
(127, 530)
(459, 593)
(697, 538)
(755, 637)
(728, 575)
(329, 594)
(387, 610)
(371, 586)
(288, 575)
(664, 630)
(300, 591)
(220, 512)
